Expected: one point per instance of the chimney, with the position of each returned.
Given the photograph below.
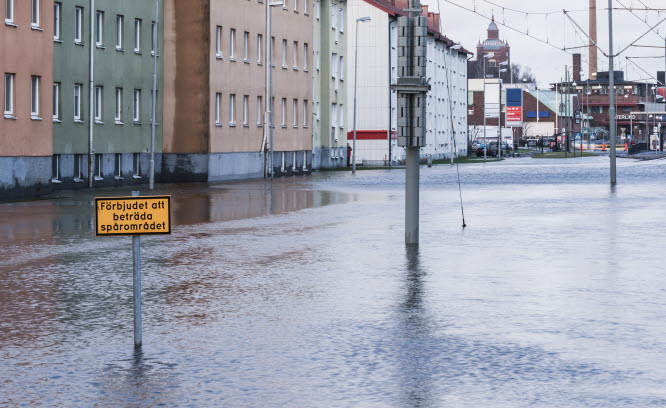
(402, 4)
(424, 10)
(576, 68)
(436, 21)
(431, 21)
(593, 39)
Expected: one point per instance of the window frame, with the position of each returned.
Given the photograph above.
(136, 108)
(218, 42)
(232, 44)
(137, 35)
(78, 102)
(284, 112)
(294, 113)
(246, 46)
(259, 108)
(35, 104)
(295, 55)
(119, 106)
(218, 103)
(34, 13)
(246, 110)
(99, 29)
(9, 12)
(305, 57)
(305, 113)
(8, 94)
(99, 99)
(260, 39)
(232, 110)
(57, 21)
(120, 32)
(78, 25)
(57, 111)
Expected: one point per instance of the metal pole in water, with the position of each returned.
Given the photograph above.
(611, 86)
(412, 196)
(136, 274)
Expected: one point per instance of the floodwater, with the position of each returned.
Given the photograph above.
(303, 294)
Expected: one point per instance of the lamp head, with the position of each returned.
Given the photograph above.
(363, 19)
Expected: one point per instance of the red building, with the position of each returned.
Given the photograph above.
(501, 53)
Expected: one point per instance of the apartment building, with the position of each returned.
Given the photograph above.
(26, 66)
(215, 89)
(102, 116)
(330, 85)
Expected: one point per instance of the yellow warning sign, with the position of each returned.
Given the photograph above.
(136, 215)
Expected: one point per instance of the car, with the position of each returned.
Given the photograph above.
(532, 142)
(491, 150)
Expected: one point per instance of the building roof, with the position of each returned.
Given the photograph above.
(492, 26)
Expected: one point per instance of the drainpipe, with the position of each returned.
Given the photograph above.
(91, 118)
(390, 95)
(151, 183)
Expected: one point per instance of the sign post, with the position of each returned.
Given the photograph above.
(135, 216)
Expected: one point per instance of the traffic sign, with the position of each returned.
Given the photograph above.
(138, 215)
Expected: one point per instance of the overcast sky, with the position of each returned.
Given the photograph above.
(547, 62)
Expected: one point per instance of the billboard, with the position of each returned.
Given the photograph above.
(514, 107)
(492, 101)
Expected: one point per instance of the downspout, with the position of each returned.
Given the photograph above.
(390, 96)
(91, 118)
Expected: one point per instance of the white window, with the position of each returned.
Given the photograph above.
(305, 7)
(284, 53)
(305, 113)
(99, 29)
(34, 96)
(120, 29)
(272, 51)
(284, 112)
(137, 105)
(137, 35)
(295, 54)
(317, 111)
(232, 109)
(57, 10)
(294, 112)
(218, 42)
(259, 107)
(341, 69)
(9, 11)
(341, 114)
(259, 39)
(232, 44)
(9, 95)
(119, 105)
(295, 6)
(56, 101)
(245, 110)
(334, 65)
(334, 16)
(317, 60)
(246, 45)
(153, 38)
(334, 115)
(98, 103)
(77, 102)
(341, 20)
(34, 13)
(317, 9)
(78, 25)
(218, 101)
(305, 56)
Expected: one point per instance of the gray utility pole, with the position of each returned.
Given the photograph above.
(412, 87)
(156, 30)
(611, 85)
(91, 101)
(353, 158)
(136, 278)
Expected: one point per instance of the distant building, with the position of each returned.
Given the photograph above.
(501, 53)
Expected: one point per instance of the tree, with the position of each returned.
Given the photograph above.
(522, 74)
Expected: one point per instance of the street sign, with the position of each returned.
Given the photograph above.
(139, 215)
(578, 136)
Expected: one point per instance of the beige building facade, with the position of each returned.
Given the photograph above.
(26, 66)
(215, 88)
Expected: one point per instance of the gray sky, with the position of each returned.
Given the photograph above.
(547, 62)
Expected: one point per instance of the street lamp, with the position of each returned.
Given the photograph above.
(358, 20)
(485, 147)
(268, 115)
(499, 110)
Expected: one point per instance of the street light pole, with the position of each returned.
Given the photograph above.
(611, 84)
(358, 20)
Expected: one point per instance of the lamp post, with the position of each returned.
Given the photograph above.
(358, 20)
(485, 147)
(268, 115)
(499, 112)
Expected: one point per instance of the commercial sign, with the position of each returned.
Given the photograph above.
(136, 215)
(492, 101)
(514, 107)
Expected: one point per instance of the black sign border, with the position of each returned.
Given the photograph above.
(168, 197)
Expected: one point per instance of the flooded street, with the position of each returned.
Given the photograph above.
(303, 294)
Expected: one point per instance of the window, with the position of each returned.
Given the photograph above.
(305, 56)
(118, 164)
(284, 53)
(334, 115)
(218, 42)
(341, 114)
(246, 40)
(295, 53)
(137, 106)
(317, 9)
(120, 31)
(305, 7)
(272, 51)
(341, 20)
(78, 168)
(55, 168)
(77, 102)
(232, 103)
(136, 165)
(99, 29)
(245, 112)
(57, 7)
(341, 69)
(9, 95)
(294, 112)
(98, 103)
(137, 35)
(305, 113)
(284, 112)
(56, 101)
(232, 44)
(98, 164)
(334, 65)
(78, 25)
(119, 105)
(153, 38)
(9, 11)
(334, 16)
(317, 60)
(259, 110)
(259, 39)
(295, 6)
(34, 13)
(34, 97)
(218, 100)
